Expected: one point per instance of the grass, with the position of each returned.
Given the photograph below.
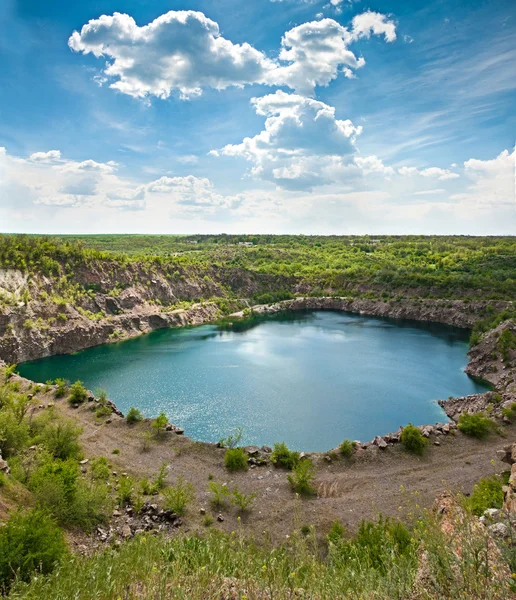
(380, 562)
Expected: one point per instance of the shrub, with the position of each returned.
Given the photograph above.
(487, 493)
(125, 491)
(159, 424)
(509, 411)
(29, 542)
(61, 439)
(235, 459)
(347, 447)
(412, 439)
(178, 496)
(243, 502)
(283, 457)
(14, 434)
(302, 477)
(232, 440)
(61, 388)
(100, 468)
(9, 370)
(478, 425)
(133, 416)
(78, 393)
(336, 533)
(220, 493)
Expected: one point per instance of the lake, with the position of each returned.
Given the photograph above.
(310, 379)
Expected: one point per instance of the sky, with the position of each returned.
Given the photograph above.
(258, 116)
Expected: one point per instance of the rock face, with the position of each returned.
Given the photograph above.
(508, 455)
(449, 312)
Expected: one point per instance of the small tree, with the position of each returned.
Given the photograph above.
(283, 457)
(133, 416)
(78, 393)
(159, 424)
(232, 440)
(178, 496)
(235, 459)
(61, 387)
(347, 447)
(244, 502)
(412, 439)
(302, 477)
(220, 493)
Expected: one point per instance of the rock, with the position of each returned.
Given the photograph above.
(492, 513)
(437, 443)
(179, 431)
(499, 530)
(126, 531)
(84, 462)
(327, 458)
(4, 467)
(252, 450)
(202, 511)
(117, 513)
(220, 518)
(266, 449)
(380, 442)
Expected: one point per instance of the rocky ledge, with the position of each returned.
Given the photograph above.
(457, 313)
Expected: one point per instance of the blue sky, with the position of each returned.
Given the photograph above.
(293, 116)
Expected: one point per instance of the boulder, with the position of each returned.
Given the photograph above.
(4, 467)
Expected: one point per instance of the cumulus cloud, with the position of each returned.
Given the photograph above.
(301, 141)
(372, 164)
(493, 182)
(184, 51)
(373, 23)
(431, 172)
(49, 179)
(50, 156)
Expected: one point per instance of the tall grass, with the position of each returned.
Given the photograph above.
(383, 561)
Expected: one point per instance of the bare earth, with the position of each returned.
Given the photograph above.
(374, 481)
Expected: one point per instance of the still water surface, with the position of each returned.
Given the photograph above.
(309, 379)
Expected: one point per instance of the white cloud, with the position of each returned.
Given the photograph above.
(316, 51)
(188, 159)
(372, 22)
(184, 51)
(46, 178)
(301, 143)
(493, 183)
(430, 192)
(432, 172)
(438, 173)
(50, 156)
(372, 164)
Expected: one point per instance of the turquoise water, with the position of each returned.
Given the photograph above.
(309, 379)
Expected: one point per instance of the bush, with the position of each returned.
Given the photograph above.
(133, 416)
(347, 447)
(478, 425)
(78, 393)
(61, 388)
(61, 439)
(159, 424)
(220, 493)
(412, 439)
(487, 493)
(14, 434)
(302, 477)
(336, 533)
(235, 459)
(232, 440)
(244, 502)
(178, 496)
(283, 457)
(125, 491)
(29, 542)
(100, 468)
